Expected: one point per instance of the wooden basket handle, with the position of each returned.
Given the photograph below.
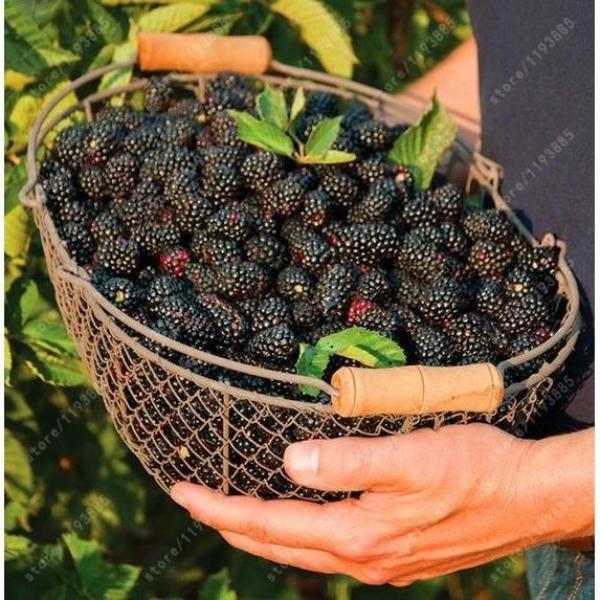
(417, 390)
(203, 52)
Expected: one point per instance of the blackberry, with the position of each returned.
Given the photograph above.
(294, 283)
(448, 201)
(261, 169)
(174, 260)
(454, 239)
(321, 104)
(373, 136)
(121, 175)
(59, 190)
(154, 238)
(79, 242)
(522, 344)
(146, 188)
(69, 147)
(470, 335)
(213, 251)
(334, 290)
(223, 130)
(316, 210)
(441, 301)
(340, 187)
(189, 108)
(180, 132)
(222, 183)
(192, 212)
(277, 343)
(134, 214)
(93, 182)
(284, 197)
(539, 259)
(345, 142)
(231, 222)
(267, 250)
(142, 140)
(519, 282)
(327, 328)
(239, 280)
(420, 258)
(158, 94)
(163, 287)
(231, 327)
(202, 278)
(365, 245)
(306, 315)
(487, 224)
(356, 113)
(147, 275)
(378, 319)
(489, 259)
(408, 320)
(525, 314)
(374, 286)
(382, 198)
(306, 176)
(311, 252)
(406, 287)
(305, 126)
(160, 163)
(121, 292)
(181, 184)
(230, 156)
(489, 298)
(103, 141)
(421, 210)
(404, 180)
(74, 212)
(118, 256)
(271, 312)
(432, 346)
(371, 169)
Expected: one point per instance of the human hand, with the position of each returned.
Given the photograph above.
(435, 502)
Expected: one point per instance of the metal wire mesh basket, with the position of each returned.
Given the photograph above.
(183, 426)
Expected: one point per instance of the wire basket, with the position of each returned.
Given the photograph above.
(183, 426)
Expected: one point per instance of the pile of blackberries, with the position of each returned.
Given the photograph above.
(246, 254)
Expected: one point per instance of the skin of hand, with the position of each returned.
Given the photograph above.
(435, 502)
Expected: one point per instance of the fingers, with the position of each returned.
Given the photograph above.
(354, 464)
(292, 523)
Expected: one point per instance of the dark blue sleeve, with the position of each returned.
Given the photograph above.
(536, 71)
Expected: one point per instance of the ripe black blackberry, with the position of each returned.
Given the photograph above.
(306, 125)
(276, 343)
(316, 210)
(339, 186)
(267, 250)
(160, 163)
(93, 183)
(420, 258)
(224, 130)
(142, 140)
(519, 282)
(454, 238)
(69, 147)
(214, 251)
(141, 212)
(489, 298)
(375, 286)
(118, 256)
(373, 136)
(443, 300)
(181, 132)
(421, 210)
(327, 328)
(525, 314)
(522, 344)
(470, 335)
(306, 176)
(383, 197)
(322, 104)
(405, 287)
(334, 290)
(232, 329)
(174, 260)
(365, 245)
(74, 212)
(163, 287)
(271, 312)
(311, 252)
(379, 319)
(372, 169)
(192, 212)
(202, 278)
(80, 244)
(153, 238)
(284, 197)
(408, 320)
(121, 292)
(106, 226)
(261, 169)
(222, 183)
(231, 222)
(487, 224)
(489, 259)
(181, 184)
(239, 280)
(120, 174)
(539, 259)
(59, 190)
(231, 156)
(158, 94)
(102, 141)
(294, 283)
(432, 346)
(448, 201)
(430, 233)
(356, 112)
(305, 315)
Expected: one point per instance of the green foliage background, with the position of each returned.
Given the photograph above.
(82, 518)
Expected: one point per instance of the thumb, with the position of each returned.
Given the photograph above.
(356, 464)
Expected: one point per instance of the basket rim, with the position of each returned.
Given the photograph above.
(568, 330)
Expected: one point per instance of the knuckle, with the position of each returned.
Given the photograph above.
(257, 530)
(375, 576)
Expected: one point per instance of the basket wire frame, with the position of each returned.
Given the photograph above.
(183, 426)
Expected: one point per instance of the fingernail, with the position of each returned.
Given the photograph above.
(179, 496)
(303, 458)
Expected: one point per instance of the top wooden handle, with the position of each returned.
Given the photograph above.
(203, 52)
(417, 390)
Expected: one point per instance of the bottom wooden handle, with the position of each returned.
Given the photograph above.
(417, 390)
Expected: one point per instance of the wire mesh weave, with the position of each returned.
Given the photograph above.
(182, 426)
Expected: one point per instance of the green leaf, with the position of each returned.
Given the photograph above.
(8, 362)
(331, 157)
(99, 580)
(262, 134)
(50, 335)
(322, 32)
(50, 367)
(22, 302)
(297, 108)
(422, 145)
(16, 546)
(108, 27)
(18, 229)
(272, 108)
(173, 17)
(15, 81)
(18, 476)
(217, 587)
(322, 136)
(312, 362)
